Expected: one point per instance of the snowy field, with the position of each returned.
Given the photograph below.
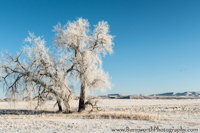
(161, 115)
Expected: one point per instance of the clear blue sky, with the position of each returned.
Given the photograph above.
(157, 43)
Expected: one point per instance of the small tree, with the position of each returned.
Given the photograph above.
(39, 75)
(85, 49)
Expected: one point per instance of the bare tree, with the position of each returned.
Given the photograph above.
(85, 49)
(39, 75)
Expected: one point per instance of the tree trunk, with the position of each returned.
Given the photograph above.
(59, 105)
(82, 99)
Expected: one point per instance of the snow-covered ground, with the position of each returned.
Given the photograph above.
(171, 114)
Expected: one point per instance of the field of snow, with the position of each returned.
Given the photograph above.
(161, 115)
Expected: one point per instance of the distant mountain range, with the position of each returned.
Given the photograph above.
(167, 95)
(187, 94)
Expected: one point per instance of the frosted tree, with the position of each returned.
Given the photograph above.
(39, 75)
(79, 59)
(85, 49)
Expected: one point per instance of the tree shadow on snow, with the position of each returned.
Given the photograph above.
(26, 112)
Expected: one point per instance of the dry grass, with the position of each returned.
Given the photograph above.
(115, 115)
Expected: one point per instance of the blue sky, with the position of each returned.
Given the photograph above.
(157, 43)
